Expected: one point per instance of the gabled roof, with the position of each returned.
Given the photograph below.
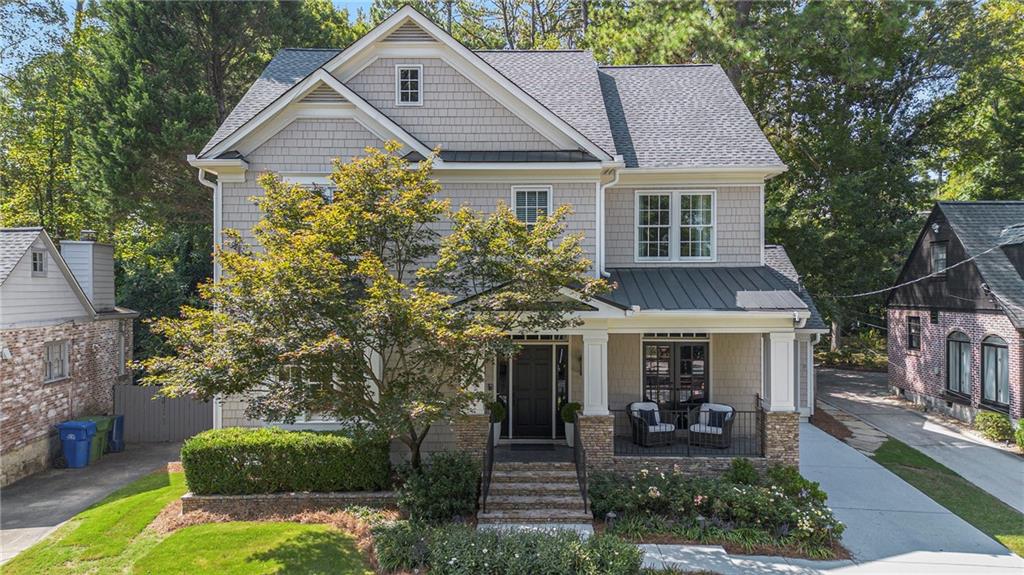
(654, 116)
(681, 117)
(284, 71)
(982, 226)
(14, 242)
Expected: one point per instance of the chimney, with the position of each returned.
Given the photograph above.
(93, 266)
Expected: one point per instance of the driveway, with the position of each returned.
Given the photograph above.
(890, 526)
(36, 505)
(866, 395)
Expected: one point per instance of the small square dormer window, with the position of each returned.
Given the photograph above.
(38, 263)
(409, 85)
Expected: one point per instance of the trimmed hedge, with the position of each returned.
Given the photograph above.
(445, 487)
(994, 426)
(239, 461)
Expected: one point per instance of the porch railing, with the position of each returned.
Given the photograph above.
(485, 482)
(683, 433)
(580, 458)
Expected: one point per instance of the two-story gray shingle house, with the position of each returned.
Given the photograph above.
(665, 168)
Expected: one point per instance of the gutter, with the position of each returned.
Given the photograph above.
(617, 166)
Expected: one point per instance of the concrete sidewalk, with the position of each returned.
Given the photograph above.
(866, 395)
(891, 528)
(33, 507)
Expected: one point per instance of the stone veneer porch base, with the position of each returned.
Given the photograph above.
(284, 503)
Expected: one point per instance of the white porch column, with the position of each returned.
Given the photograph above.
(595, 373)
(782, 372)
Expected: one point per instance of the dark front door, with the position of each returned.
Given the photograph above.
(532, 396)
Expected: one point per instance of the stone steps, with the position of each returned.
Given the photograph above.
(537, 502)
(533, 488)
(533, 476)
(534, 466)
(533, 516)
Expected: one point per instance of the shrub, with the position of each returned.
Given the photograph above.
(462, 550)
(444, 487)
(742, 471)
(783, 506)
(498, 411)
(994, 426)
(569, 411)
(1018, 436)
(238, 461)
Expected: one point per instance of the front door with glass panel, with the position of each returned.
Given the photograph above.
(675, 373)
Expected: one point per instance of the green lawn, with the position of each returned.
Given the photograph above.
(990, 515)
(254, 549)
(111, 537)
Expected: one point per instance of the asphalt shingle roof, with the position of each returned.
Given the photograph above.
(563, 81)
(981, 226)
(681, 116)
(654, 116)
(286, 69)
(14, 242)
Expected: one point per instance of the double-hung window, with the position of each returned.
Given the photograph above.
(38, 263)
(531, 203)
(958, 363)
(995, 370)
(56, 360)
(913, 332)
(675, 225)
(409, 85)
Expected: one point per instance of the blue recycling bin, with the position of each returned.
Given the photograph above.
(116, 441)
(76, 439)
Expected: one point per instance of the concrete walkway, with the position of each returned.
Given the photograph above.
(891, 528)
(866, 395)
(33, 507)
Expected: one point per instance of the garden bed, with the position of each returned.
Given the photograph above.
(748, 512)
(269, 503)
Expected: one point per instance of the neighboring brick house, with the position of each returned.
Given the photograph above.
(956, 338)
(664, 167)
(63, 343)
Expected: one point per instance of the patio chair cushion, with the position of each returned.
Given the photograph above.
(716, 418)
(639, 406)
(661, 428)
(707, 409)
(699, 428)
(649, 416)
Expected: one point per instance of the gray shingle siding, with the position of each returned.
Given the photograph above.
(455, 114)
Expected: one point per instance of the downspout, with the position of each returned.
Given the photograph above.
(617, 165)
(218, 400)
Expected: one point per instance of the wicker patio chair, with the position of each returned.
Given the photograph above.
(707, 429)
(644, 433)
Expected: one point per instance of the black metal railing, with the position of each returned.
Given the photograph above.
(580, 458)
(485, 484)
(688, 433)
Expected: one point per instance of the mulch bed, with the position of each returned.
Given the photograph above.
(826, 422)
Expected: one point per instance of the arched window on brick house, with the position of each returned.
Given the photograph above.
(995, 371)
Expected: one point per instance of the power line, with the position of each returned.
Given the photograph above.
(933, 274)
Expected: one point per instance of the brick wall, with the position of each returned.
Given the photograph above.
(471, 434)
(597, 436)
(921, 374)
(248, 506)
(30, 408)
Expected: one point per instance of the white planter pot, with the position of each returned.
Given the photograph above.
(569, 433)
(497, 432)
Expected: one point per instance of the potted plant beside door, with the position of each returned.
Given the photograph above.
(569, 417)
(498, 413)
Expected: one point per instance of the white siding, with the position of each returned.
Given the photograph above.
(455, 114)
(738, 227)
(25, 299)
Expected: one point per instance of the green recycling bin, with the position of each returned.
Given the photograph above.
(99, 441)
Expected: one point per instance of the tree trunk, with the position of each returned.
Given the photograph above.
(836, 341)
(414, 441)
(735, 71)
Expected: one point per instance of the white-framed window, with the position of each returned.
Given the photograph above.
(531, 203)
(995, 370)
(57, 360)
(38, 263)
(408, 85)
(675, 225)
